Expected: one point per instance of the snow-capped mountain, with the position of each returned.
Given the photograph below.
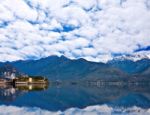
(105, 58)
(134, 57)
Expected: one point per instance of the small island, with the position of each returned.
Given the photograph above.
(10, 76)
(30, 80)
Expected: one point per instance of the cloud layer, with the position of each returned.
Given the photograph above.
(91, 110)
(91, 29)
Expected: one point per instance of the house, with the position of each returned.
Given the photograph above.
(8, 75)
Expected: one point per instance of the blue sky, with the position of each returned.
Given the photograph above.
(92, 29)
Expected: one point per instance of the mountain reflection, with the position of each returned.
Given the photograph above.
(10, 93)
(61, 97)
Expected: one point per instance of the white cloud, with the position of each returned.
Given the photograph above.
(20, 9)
(90, 110)
(91, 29)
(86, 4)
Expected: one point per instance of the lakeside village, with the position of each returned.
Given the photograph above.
(10, 78)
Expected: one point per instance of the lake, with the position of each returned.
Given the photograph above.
(75, 99)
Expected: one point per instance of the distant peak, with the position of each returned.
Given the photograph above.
(134, 57)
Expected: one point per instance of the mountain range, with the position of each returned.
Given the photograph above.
(62, 68)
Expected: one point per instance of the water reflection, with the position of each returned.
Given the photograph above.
(31, 87)
(63, 97)
(10, 92)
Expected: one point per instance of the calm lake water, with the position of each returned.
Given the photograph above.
(75, 99)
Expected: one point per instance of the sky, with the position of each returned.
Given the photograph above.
(92, 29)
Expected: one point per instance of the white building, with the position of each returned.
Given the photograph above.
(9, 75)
